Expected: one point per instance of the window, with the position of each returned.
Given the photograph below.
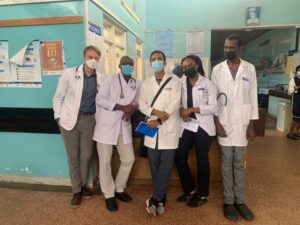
(114, 46)
(139, 61)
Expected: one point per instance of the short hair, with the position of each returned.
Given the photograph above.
(160, 52)
(236, 37)
(297, 68)
(126, 58)
(198, 61)
(92, 47)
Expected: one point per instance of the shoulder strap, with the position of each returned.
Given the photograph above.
(160, 90)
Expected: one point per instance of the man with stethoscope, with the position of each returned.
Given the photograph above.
(74, 110)
(116, 102)
(235, 80)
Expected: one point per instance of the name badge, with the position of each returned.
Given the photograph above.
(168, 89)
(245, 79)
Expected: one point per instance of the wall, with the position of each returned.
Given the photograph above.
(208, 15)
(27, 154)
(39, 157)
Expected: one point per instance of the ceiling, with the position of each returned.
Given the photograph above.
(218, 38)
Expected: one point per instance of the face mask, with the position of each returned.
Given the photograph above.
(298, 73)
(230, 55)
(92, 63)
(157, 66)
(190, 72)
(126, 70)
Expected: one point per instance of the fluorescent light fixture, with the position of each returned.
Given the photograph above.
(130, 10)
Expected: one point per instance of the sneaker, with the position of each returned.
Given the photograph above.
(86, 193)
(152, 205)
(230, 212)
(76, 200)
(197, 201)
(161, 205)
(245, 211)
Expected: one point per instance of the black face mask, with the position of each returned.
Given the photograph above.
(190, 72)
(230, 55)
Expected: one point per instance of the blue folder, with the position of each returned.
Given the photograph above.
(145, 130)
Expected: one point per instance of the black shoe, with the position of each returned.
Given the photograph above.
(230, 212)
(184, 197)
(244, 211)
(76, 200)
(86, 193)
(111, 204)
(292, 137)
(122, 196)
(196, 201)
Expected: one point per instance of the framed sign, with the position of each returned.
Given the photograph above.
(253, 16)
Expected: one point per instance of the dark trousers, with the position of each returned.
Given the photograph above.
(202, 141)
(161, 162)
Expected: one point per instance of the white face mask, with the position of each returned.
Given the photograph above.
(92, 63)
(298, 73)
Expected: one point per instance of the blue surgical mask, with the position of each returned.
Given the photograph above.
(127, 70)
(157, 66)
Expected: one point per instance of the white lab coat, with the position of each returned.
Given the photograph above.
(169, 102)
(241, 101)
(109, 123)
(67, 98)
(204, 98)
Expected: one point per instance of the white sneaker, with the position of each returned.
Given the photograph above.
(160, 209)
(152, 205)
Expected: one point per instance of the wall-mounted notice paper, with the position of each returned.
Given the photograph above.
(164, 42)
(5, 76)
(195, 43)
(53, 60)
(26, 67)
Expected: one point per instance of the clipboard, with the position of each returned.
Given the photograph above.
(145, 130)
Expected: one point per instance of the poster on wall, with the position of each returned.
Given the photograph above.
(195, 43)
(94, 37)
(253, 16)
(5, 76)
(26, 67)
(164, 42)
(52, 56)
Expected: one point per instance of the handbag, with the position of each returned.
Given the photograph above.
(143, 150)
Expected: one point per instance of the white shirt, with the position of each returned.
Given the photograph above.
(109, 123)
(205, 98)
(169, 102)
(67, 98)
(241, 101)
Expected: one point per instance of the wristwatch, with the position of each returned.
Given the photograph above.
(159, 121)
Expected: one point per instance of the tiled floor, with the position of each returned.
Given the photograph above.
(273, 187)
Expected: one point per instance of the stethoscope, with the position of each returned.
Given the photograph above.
(132, 83)
(225, 97)
(77, 77)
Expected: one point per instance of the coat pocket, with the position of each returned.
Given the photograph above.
(246, 114)
(107, 117)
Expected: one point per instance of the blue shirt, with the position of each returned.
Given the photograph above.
(89, 93)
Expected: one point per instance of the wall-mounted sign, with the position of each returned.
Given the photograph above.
(253, 16)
